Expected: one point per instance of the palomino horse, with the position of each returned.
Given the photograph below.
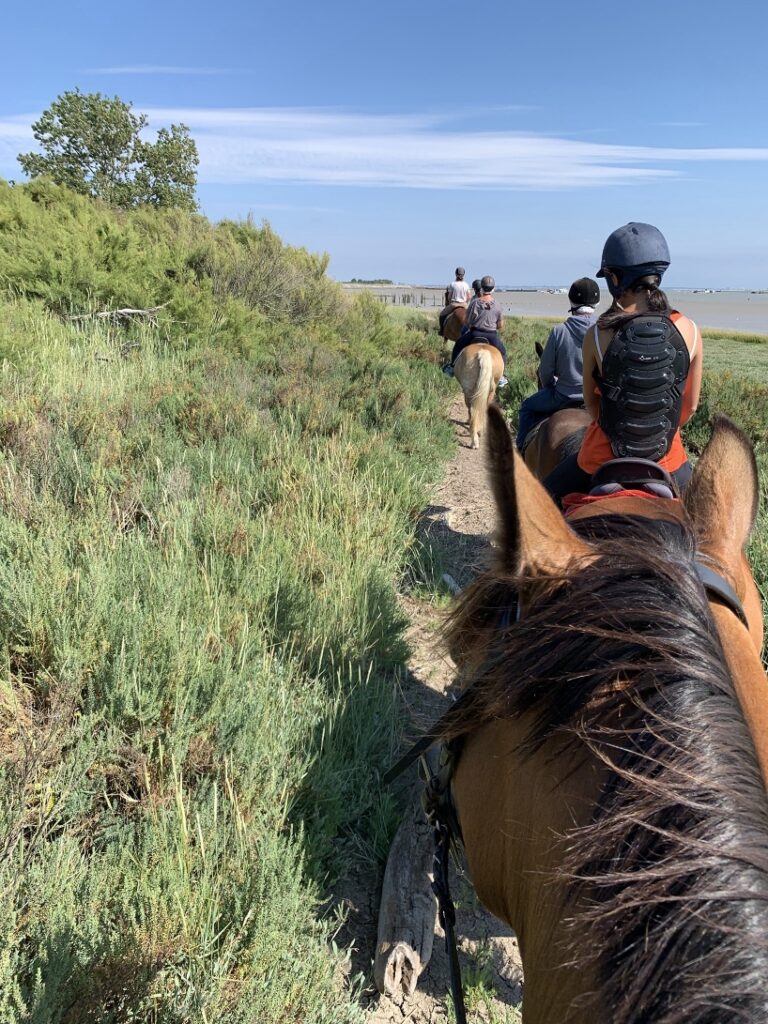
(556, 437)
(454, 323)
(478, 369)
(611, 782)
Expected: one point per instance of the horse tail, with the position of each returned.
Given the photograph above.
(481, 393)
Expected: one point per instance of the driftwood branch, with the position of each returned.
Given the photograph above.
(408, 907)
(116, 315)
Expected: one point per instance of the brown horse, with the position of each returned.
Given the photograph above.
(611, 783)
(478, 369)
(556, 437)
(454, 323)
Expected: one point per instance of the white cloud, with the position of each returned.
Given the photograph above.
(329, 147)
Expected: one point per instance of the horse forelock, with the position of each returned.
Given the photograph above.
(669, 881)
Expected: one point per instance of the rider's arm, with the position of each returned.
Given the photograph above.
(591, 400)
(693, 383)
(548, 361)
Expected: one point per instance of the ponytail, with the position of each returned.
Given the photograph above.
(657, 301)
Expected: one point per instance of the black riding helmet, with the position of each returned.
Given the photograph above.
(460, 271)
(476, 286)
(584, 292)
(487, 284)
(634, 251)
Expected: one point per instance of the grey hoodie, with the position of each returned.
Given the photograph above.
(562, 364)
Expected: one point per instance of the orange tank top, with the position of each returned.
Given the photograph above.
(596, 449)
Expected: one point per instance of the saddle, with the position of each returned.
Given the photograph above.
(631, 474)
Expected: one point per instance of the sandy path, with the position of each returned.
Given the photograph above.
(457, 526)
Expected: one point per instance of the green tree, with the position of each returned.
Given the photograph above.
(93, 144)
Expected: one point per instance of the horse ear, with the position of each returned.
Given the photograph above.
(722, 496)
(534, 537)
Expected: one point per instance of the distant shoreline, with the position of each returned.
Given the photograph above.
(728, 309)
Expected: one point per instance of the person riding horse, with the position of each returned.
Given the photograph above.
(457, 293)
(560, 368)
(642, 365)
(483, 322)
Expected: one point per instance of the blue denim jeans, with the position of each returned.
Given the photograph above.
(538, 407)
(467, 337)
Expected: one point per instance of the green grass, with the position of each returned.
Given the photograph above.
(202, 528)
(200, 651)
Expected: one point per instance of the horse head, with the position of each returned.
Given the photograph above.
(612, 781)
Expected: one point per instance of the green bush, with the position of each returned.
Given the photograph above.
(202, 525)
(231, 283)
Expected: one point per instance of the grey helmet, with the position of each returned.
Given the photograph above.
(487, 284)
(460, 271)
(584, 292)
(476, 286)
(633, 251)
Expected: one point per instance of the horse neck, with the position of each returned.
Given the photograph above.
(749, 680)
(669, 862)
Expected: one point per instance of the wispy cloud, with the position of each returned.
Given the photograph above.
(330, 147)
(161, 69)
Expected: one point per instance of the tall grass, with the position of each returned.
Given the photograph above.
(199, 644)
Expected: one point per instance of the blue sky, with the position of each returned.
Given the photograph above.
(408, 137)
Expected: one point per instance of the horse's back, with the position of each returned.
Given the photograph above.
(454, 323)
(558, 436)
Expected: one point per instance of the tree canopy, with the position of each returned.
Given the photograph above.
(93, 144)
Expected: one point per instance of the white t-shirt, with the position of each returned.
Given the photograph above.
(458, 291)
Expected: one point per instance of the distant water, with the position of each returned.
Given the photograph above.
(726, 310)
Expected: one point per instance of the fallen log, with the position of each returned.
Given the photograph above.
(119, 314)
(408, 907)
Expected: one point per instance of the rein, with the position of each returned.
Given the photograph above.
(436, 797)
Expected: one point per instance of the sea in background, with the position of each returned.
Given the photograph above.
(725, 310)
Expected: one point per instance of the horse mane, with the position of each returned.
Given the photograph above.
(669, 881)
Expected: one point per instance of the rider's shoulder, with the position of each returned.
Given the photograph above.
(686, 326)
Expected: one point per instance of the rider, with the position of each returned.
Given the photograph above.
(560, 369)
(483, 323)
(456, 294)
(642, 367)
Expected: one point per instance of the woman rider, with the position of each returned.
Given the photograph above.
(642, 367)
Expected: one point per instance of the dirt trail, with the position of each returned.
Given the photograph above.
(458, 527)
